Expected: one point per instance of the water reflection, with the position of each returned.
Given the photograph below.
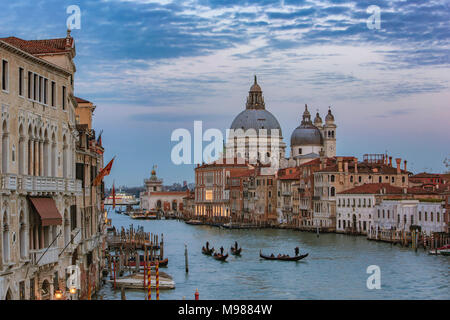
(335, 268)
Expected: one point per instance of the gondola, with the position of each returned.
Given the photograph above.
(296, 258)
(162, 263)
(236, 252)
(220, 257)
(207, 252)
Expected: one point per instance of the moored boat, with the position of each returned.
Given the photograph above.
(445, 250)
(283, 258)
(194, 222)
(162, 263)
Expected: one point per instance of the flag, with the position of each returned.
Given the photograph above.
(104, 172)
(99, 139)
(114, 196)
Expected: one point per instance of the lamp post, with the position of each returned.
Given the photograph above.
(58, 295)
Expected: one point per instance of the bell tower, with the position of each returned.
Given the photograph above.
(329, 135)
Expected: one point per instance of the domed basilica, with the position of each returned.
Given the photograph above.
(308, 141)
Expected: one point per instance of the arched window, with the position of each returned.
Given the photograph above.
(380, 179)
(393, 179)
(53, 156)
(5, 148)
(420, 216)
(66, 227)
(299, 150)
(332, 178)
(5, 242)
(22, 236)
(64, 158)
(431, 216)
(426, 216)
(21, 153)
(332, 192)
(351, 178)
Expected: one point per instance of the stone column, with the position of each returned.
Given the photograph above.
(31, 157)
(41, 158)
(36, 157)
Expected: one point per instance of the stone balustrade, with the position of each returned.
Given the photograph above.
(13, 182)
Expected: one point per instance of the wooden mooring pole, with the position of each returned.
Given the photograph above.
(186, 258)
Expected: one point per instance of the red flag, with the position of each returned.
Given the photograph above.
(104, 172)
(114, 196)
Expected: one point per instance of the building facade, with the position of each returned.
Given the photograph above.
(346, 174)
(40, 213)
(156, 199)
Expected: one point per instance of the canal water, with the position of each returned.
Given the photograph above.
(335, 268)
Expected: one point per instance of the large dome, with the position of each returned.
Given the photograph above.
(255, 119)
(306, 135)
(255, 116)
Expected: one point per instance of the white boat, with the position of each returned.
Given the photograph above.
(122, 199)
(445, 251)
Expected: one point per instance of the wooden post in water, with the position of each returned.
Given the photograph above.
(186, 258)
(122, 293)
(161, 249)
(157, 279)
(149, 283)
(138, 262)
(145, 263)
(114, 273)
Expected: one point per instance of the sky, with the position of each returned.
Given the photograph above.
(153, 66)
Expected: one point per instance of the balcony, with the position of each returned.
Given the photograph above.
(41, 257)
(9, 182)
(26, 183)
(286, 193)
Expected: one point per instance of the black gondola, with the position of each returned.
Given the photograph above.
(283, 258)
(220, 257)
(236, 252)
(208, 252)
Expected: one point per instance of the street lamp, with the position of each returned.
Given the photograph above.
(58, 295)
(73, 290)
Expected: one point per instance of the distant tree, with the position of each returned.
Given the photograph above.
(447, 165)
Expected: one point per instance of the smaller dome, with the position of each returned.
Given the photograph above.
(329, 116)
(317, 119)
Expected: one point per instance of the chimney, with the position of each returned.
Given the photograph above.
(404, 162)
(346, 166)
(398, 160)
(356, 165)
(390, 161)
(339, 164)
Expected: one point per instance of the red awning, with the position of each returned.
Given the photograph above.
(46, 208)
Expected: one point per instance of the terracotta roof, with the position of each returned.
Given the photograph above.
(80, 100)
(290, 176)
(426, 175)
(364, 167)
(242, 173)
(374, 188)
(39, 46)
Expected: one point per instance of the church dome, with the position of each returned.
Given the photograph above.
(255, 116)
(255, 119)
(306, 133)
